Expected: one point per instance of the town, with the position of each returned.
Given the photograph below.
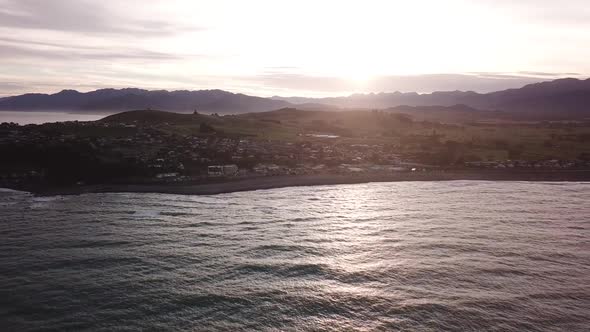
(98, 152)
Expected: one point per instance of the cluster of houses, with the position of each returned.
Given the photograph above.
(540, 164)
(168, 156)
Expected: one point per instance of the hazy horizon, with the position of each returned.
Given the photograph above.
(290, 49)
(296, 95)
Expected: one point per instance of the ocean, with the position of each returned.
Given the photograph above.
(407, 256)
(38, 117)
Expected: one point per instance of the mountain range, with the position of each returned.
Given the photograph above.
(562, 98)
(567, 98)
(115, 100)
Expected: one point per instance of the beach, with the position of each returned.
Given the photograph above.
(228, 185)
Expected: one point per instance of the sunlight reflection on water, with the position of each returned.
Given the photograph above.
(459, 255)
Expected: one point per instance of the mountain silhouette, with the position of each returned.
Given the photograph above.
(567, 98)
(562, 98)
(109, 100)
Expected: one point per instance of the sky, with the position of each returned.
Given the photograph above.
(291, 48)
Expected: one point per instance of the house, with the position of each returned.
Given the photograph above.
(215, 170)
(166, 175)
(222, 170)
(267, 169)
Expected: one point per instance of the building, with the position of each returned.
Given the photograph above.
(166, 175)
(222, 170)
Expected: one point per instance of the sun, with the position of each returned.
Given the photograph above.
(360, 81)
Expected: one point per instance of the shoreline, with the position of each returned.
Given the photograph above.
(273, 182)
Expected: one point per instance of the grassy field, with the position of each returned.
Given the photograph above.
(466, 140)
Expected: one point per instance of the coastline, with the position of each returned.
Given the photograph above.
(272, 182)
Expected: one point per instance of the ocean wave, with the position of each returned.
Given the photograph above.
(419, 256)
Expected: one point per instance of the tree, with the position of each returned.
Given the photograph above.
(206, 128)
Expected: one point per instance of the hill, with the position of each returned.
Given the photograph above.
(446, 114)
(155, 117)
(285, 123)
(413, 131)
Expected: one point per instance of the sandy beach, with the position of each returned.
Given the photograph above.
(270, 182)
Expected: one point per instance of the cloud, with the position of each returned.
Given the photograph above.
(574, 12)
(11, 48)
(449, 82)
(11, 52)
(10, 86)
(302, 82)
(480, 82)
(81, 16)
(249, 48)
(538, 73)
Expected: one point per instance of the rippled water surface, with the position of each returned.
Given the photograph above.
(417, 256)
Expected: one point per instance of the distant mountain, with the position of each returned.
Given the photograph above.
(109, 100)
(563, 98)
(560, 99)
